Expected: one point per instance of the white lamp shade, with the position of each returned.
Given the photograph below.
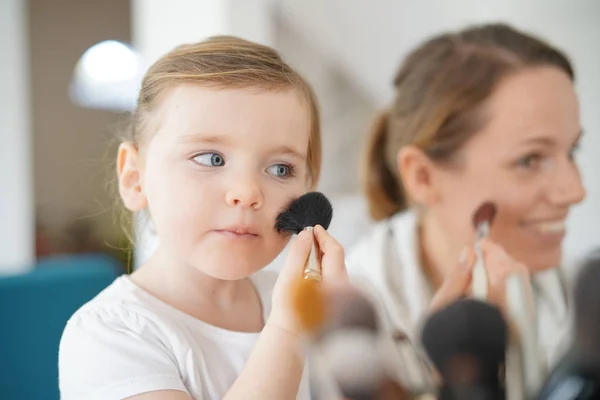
(107, 76)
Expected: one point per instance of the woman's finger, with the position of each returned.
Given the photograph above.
(498, 263)
(456, 283)
(500, 266)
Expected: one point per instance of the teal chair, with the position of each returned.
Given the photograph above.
(34, 308)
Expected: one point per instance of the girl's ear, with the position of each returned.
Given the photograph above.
(130, 177)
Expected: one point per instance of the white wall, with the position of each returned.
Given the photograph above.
(160, 25)
(368, 39)
(16, 193)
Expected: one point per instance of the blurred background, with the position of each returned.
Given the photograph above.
(70, 71)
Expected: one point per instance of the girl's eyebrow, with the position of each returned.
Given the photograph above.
(207, 139)
(289, 151)
(226, 140)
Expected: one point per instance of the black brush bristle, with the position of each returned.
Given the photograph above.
(467, 330)
(310, 209)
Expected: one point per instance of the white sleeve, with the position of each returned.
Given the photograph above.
(114, 354)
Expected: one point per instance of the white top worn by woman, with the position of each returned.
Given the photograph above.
(386, 264)
(126, 342)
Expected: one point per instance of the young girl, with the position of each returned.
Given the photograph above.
(224, 136)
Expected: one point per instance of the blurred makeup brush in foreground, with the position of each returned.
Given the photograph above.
(577, 376)
(348, 359)
(467, 342)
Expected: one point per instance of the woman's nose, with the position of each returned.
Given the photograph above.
(566, 186)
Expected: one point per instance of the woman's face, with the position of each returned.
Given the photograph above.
(523, 161)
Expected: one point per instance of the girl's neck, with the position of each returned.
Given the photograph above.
(438, 253)
(199, 295)
(188, 281)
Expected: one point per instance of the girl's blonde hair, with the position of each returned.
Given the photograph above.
(224, 62)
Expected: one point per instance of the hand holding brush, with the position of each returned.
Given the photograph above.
(280, 351)
(315, 260)
(499, 267)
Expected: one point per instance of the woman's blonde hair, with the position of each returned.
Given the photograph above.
(441, 89)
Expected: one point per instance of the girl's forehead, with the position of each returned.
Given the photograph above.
(191, 113)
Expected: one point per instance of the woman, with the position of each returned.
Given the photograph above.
(485, 114)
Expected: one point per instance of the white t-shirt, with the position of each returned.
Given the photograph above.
(126, 342)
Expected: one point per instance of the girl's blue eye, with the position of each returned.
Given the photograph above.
(280, 170)
(210, 160)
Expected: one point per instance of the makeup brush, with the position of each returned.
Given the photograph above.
(305, 212)
(577, 375)
(349, 354)
(351, 334)
(466, 341)
(482, 222)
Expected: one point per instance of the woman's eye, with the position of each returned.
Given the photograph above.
(529, 161)
(280, 170)
(210, 159)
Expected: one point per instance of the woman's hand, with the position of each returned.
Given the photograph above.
(499, 266)
(333, 272)
(457, 283)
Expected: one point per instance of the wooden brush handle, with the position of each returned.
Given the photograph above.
(480, 278)
(312, 268)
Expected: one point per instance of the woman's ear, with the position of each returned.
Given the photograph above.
(130, 177)
(418, 175)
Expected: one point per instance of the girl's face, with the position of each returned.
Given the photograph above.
(524, 162)
(220, 167)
